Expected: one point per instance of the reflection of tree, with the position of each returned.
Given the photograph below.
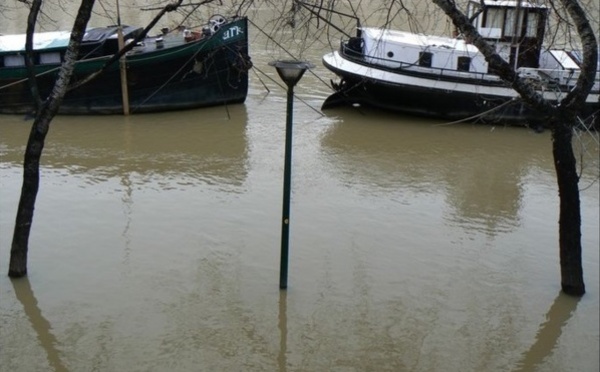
(480, 171)
(40, 324)
(559, 314)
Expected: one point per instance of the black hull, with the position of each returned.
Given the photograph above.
(158, 88)
(424, 101)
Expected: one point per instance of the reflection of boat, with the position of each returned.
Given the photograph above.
(479, 173)
(160, 147)
(449, 78)
(176, 70)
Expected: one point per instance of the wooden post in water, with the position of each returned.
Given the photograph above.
(122, 64)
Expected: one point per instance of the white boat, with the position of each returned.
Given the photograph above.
(448, 78)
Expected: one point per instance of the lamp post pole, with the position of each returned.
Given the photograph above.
(287, 181)
(290, 72)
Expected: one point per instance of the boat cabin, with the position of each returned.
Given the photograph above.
(398, 50)
(515, 27)
(50, 47)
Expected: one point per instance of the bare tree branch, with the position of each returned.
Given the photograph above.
(129, 46)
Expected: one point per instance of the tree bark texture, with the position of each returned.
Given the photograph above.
(35, 145)
(570, 213)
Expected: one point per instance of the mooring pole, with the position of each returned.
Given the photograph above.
(122, 64)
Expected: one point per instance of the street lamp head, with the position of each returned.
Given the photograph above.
(291, 71)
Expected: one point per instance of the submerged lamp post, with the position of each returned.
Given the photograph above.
(290, 72)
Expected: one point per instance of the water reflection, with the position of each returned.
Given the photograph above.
(236, 336)
(127, 203)
(198, 146)
(40, 325)
(547, 337)
(479, 170)
(282, 357)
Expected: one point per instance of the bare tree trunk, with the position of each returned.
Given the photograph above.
(35, 144)
(570, 214)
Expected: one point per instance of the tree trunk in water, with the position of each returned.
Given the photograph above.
(35, 144)
(31, 181)
(570, 217)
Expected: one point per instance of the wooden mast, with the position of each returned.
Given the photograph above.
(122, 64)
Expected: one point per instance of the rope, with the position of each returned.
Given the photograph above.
(169, 79)
(277, 82)
(478, 115)
(285, 88)
(285, 50)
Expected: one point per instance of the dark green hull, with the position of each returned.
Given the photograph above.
(206, 72)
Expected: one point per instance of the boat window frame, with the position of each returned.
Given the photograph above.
(50, 58)
(20, 58)
(532, 22)
(515, 21)
(463, 63)
(493, 17)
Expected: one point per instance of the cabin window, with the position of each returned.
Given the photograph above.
(390, 54)
(463, 64)
(425, 59)
(493, 18)
(532, 24)
(14, 61)
(49, 58)
(511, 26)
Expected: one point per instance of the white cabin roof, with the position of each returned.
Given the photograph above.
(418, 40)
(42, 40)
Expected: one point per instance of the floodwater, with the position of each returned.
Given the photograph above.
(414, 245)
